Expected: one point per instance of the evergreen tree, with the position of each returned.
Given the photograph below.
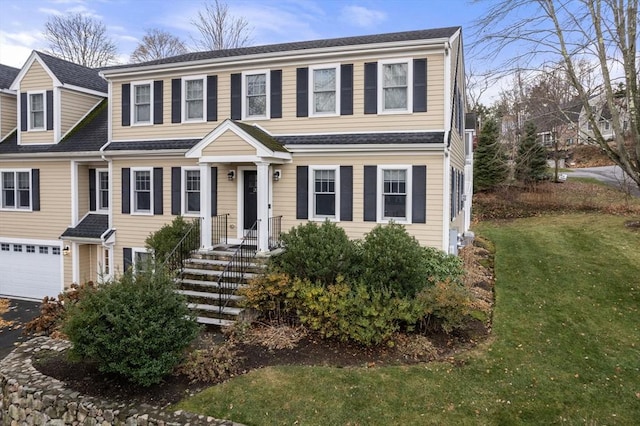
(531, 163)
(490, 162)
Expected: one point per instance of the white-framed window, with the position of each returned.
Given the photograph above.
(5, 247)
(255, 94)
(55, 251)
(324, 82)
(190, 190)
(43, 250)
(324, 186)
(16, 189)
(142, 190)
(142, 102)
(37, 108)
(17, 248)
(193, 98)
(395, 88)
(394, 193)
(102, 192)
(141, 258)
(31, 249)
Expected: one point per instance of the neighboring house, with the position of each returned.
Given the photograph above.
(603, 119)
(358, 130)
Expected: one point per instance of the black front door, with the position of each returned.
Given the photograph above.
(250, 198)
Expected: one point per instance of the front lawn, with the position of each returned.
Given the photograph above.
(565, 347)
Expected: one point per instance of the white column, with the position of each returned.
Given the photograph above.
(75, 262)
(263, 206)
(205, 206)
(74, 193)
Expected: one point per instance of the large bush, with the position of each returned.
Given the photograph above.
(318, 253)
(163, 241)
(441, 266)
(136, 327)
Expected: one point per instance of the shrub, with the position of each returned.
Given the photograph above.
(270, 294)
(441, 266)
(163, 241)
(212, 363)
(317, 253)
(448, 305)
(393, 260)
(136, 327)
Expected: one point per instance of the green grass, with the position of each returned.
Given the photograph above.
(565, 347)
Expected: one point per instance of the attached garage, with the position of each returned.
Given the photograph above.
(30, 269)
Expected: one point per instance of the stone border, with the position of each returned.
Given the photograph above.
(31, 398)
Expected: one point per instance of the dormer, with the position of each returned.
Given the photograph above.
(8, 103)
(53, 95)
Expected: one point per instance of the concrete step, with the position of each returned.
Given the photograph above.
(226, 310)
(215, 321)
(217, 264)
(216, 273)
(211, 284)
(208, 295)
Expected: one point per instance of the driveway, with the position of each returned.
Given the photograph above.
(20, 313)
(611, 175)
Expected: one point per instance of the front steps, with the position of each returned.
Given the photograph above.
(212, 302)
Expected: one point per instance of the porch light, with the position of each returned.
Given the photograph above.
(231, 175)
(277, 174)
(66, 250)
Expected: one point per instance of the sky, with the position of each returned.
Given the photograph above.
(272, 21)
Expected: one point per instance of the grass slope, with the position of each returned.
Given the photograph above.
(565, 347)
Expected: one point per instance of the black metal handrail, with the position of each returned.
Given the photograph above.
(233, 273)
(190, 241)
(275, 232)
(219, 229)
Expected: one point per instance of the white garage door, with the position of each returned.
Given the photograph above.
(30, 269)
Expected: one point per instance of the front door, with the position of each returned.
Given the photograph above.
(250, 198)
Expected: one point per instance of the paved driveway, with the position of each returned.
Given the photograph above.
(20, 313)
(611, 175)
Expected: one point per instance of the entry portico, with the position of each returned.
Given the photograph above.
(250, 154)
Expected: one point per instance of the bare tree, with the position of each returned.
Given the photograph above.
(80, 39)
(158, 44)
(219, 29)
(601, 32)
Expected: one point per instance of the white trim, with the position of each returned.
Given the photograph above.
(240, 197)
(8, 92)
(102, 261)
(75, 262)
(44, 111)
(111, 192)
(312, 193)
(135, 250)
(132, 194)
(99, 208)
(312, 68)
(358, 132)
(183, 99)
(15, 190)
(183, 190)
(381, 64)
(132, 103)
(446, 224)
(447, 95)
(57, 115)
(25, 68)
(83, 89)
(109, 115)
(74, 192)
(267, 89)
(408, 168)
(392, 149)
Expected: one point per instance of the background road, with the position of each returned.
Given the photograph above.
(611, 175)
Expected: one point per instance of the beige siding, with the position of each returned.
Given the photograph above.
(290, 124)
(36, 79)
(68, 271)
(84, 253)
(74, 106)
(83, 190)
(8, 117)
(229, 144)
(55, 204)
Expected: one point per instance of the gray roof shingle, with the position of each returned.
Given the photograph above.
(363, 138)
(301, 45)
(92, 226)
(7, 75)
(77, 75)
(151, 145)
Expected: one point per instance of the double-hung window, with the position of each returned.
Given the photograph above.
(36, 111)
(255, 99)
(324, 184)
(142, 193)
(395, 190)
(395, 91)
(324, 81)
(142, 101)
(103, 190)
(16, 189)
(141, 259)
(194, 105)
(191, 180)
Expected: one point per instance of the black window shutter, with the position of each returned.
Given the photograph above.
(157, 190)
(23, 112)
(370, 193)
(176, 100)
(419, 194)
(126, 187)
(302, 92)
(35, 190)
(236, 96)
(212, 98)
(346, 89)
(214, 191)
(127, 256)
(371, 88)
(302, 192)
(419, 85)
(126, 104)
(49, 109)
(92, 189)
(157, 101)
(346, 193)
(276, 93)
(176, 190)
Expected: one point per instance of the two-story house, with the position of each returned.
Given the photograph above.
(358, 130)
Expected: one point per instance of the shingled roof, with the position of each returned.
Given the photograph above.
(363, 138)
(434, 33)
(7, 75)
(92, 226)
(77, 75)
